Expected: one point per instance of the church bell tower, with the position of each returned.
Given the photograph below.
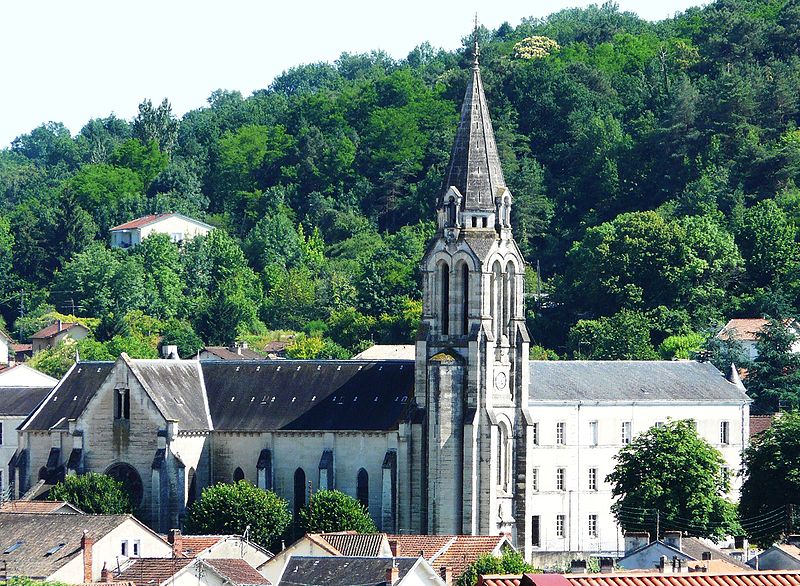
(472, 347)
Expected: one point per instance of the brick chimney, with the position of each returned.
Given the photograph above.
(175, 539)
(86, 545)
(105, 575)
(635, 540)
(446, 573)
(674, 539)
(392, 574)
(393, 547)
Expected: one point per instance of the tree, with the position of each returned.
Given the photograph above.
(767, 241)
(93, 493)
(774, 376)
(669, 476)
(623, 336)
(511, 562)
(771, 480)
(229, 509)
(156, 124)
(332, 510)
(181, 334)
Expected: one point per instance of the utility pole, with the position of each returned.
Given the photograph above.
(21, 312)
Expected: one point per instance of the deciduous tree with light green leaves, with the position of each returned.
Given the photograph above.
(93, 493)
(672, 478)
(332, 510)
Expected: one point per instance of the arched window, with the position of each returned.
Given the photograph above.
(362, 487)
(191, 482)
(465, 299)
(512, 291)
(503, 457)
(130, 479)
(451, 211)
(496, 298)
(445, 301)
(299, 490)
(238, 475)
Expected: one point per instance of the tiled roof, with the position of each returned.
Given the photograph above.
(37, 507)
(742, 329)
(499, 580)
(426, 546)
(237, 571)
(355, 544)
(696, 548)
(341, 570)
(54, 329)
(20, 401)
(22, 347)
(387, 352)
(225, 353)
(140, 222)
(694, 579)
(191, 545)
(456, 552)
(760, 424)
(152, 571)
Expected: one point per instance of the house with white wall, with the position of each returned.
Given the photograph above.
(52, 335)
(6, 354)
(746, 331)
(178, 227)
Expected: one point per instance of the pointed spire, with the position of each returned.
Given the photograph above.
(476, 50)
(733, 377)
(474, 167)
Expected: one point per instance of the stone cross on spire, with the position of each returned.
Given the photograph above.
(476, 50)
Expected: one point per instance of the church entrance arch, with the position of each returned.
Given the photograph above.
(130, 479)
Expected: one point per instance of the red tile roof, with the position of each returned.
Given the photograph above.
(760, 424)
(499, 580)
(790, 578)
(35, 507)
(54, 329)
(152, 571)
(191, 545)
(415, 545)
(22, 347)
(456, 552)
(237, 571)
(742, 329)
(140, 222)
(349, 543)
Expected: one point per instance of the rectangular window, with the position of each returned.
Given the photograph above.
(123, 550)
(176, 237)
(726, 472)
(534, 480)
(626, 432)
(560, 522)
(724, 433)
(1, 433)
(561, 429)
(592, 478)
(659, 424)
(592, 433)
(536, 540)
(122, 404)
(535, 433)
(592, 525)
(136, 549)
(561, 478)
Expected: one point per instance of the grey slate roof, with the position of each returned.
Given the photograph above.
(40, 532)
(340, 570)
(176, 387)
(20, 401)
(69, 397)
(630, 380)
(474, 167)
(308, 394)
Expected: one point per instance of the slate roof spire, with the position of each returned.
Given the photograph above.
(474, 167)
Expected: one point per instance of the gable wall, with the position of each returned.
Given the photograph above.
(168, 226)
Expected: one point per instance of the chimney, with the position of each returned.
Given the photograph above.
(635, 541)
(706, 556)
(105, 575)
(60, 325)
(673, 539)
(663, 566)
(175, 539)
(170, 352)
(577, 567)
(392, 574)
(393, 547)
(446, 573)
(606, 565)
(793, 539)
(86, 546)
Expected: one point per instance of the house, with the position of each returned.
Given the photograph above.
(177, 226)
(761, 423)
(56, 333)
(346, 543)
(387, 352)
(691, 550)
(16, 403)
(363, 571)
(61, 507)
(747, 330)
(22, 375)
(72, 548)
(237, 351)
(217, 547)
(642, 579)
(22, 352)
(6, 352)
(451, 553)
(190, 572)
(781, 556)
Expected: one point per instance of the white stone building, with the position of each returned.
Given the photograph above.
(470, 437)
(177, 226)
(747, 330)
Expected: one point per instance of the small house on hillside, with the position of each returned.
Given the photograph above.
(177, 226)
(746, 331)
(56, 333)
(5, 348)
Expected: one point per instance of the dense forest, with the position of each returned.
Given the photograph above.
(654, 168)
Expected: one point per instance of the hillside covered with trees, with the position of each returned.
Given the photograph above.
(654, 167)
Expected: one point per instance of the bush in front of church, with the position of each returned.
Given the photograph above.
(332, 510)
(93, 493)
(229, 509)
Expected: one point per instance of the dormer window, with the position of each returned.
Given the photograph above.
(122, 404)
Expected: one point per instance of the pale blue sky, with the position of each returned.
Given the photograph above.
(72, 60)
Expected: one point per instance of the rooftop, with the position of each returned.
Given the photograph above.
(54, 329)
(456, 552)
(39, 507)
(342, 570)
(387, 352)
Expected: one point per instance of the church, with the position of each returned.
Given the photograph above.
(470, 437)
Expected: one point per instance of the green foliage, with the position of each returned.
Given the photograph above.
(672, 470)
(229, 509)
(771, 480)
(774, 376)
(681, 347)
(511, 562)
(623, 336)
(93, 493)
(331, 510)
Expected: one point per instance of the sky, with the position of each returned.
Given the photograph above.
(70, 61)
